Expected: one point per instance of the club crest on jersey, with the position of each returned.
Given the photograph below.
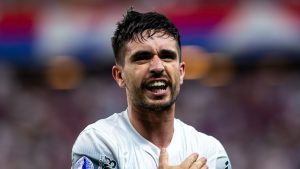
(83, 163)
(107, 163)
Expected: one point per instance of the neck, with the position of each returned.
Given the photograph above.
(157, 127)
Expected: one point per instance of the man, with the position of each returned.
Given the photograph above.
(146, 135)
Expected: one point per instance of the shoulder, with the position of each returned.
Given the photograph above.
(192, 133)
(97, 139)
(101, 130)
(202, 141)
(205, 145)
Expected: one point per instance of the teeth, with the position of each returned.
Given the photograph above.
(157, 84)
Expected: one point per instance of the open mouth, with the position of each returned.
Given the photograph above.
(157, 86)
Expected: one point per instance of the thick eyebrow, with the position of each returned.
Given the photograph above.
(145, 54)
(169, 53)
(140, 55)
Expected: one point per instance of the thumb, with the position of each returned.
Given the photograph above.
(163, 158)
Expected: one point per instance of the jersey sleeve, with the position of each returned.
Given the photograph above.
(221, 158)
(93, 150)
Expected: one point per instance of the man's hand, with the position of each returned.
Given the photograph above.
(191, 162)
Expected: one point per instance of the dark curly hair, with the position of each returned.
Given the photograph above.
(135, 23)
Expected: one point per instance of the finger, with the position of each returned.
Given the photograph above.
(187, 163)
(199, 164)
(163, 158)
(205, 167)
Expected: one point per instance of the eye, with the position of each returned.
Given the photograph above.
(141, 56)
(168, 55)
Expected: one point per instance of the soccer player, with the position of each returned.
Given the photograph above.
(147, 135)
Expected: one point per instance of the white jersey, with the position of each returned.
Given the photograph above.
(113, 143)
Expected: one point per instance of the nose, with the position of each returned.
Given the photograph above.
(156, 65)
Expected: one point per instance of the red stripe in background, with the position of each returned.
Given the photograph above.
(201, 18)
(292, 6)
(17, 25)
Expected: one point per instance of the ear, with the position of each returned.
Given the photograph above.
(118, 76)
(182, 71)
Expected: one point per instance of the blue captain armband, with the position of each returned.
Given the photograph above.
(83, 163)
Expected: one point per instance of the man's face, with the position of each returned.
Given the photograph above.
(152, 72)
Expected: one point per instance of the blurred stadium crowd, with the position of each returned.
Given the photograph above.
(242, 84)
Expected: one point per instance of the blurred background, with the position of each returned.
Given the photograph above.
(242, 82)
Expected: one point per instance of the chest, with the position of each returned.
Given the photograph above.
(136, 157)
